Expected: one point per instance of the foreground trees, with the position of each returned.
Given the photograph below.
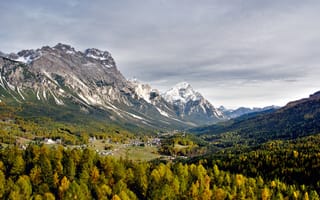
(57, 173)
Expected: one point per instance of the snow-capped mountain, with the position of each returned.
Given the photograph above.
(89, 81)
(153, 96)
(62, 78)
(181, 93)
(59, 79)
(60, 71)
(191, 105)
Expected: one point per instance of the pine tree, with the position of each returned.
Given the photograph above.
(18, 166)
(2, 185)
(74, 192)
(64, 185)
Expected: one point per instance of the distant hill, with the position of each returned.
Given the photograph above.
(296, 119)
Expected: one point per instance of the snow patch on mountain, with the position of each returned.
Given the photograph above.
(190, 104)
(23, 59)
(11, 87)
(134, 116)
(20, 93)
(162, 112)
(65, 48)
(97, 54)
(1, 80)
(48, 75)
(25, 56)
(84, 99)
(38, 96)
(57, 100)
(181, 92)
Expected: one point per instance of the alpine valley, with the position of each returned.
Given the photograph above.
(73, 127)
(69, 85)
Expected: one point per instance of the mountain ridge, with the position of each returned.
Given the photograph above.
(234, 113)
(88, 79)
(91, 81)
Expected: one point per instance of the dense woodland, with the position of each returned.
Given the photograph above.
(40, 172)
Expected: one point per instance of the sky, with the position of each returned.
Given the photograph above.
(236, 53)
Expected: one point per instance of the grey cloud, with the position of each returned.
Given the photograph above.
(269, 46)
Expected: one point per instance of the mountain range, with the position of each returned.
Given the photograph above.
(234, 113)
(64, 83)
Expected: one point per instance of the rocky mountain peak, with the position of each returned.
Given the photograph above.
(64, 47)
(97, 54)
(182, 93)
(190, 104)
(24, 56)
(315, 95)
(102, 56)
(91, 55)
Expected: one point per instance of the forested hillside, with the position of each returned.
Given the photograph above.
(297, 119)
(294, 161)
(56, 173)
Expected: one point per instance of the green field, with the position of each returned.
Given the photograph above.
(137, 153)
(128, 151)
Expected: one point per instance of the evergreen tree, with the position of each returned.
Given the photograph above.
(18, 166)
(2, 185)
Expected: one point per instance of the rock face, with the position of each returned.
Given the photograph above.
(90, 81)
(62, 78)
(60, 71)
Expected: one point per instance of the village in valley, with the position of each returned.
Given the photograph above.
(138, 148)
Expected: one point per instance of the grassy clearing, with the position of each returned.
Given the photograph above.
(179, 146)
(137, 153)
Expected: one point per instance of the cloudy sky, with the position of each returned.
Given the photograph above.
(235, 52)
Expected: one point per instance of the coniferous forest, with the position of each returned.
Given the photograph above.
(40, 172)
